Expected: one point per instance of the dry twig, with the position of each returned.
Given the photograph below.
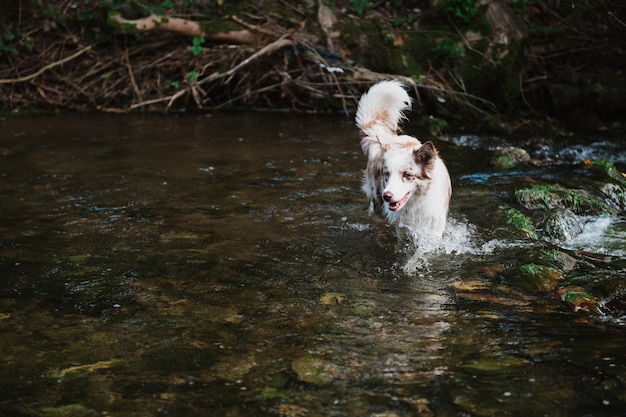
(46, 68)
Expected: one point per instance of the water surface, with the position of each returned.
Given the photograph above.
(225, 265)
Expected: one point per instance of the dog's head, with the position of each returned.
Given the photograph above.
(407, 172)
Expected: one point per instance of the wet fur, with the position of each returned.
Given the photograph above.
(405, 181)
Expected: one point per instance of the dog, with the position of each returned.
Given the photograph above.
(405, 181)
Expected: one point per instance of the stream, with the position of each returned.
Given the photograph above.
(225, 265)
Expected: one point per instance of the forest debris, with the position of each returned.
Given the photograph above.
(46, 68)
(266, 50)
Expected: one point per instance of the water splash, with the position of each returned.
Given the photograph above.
(427, 255)
(604, 235)
(460, 238)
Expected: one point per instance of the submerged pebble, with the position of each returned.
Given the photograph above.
(315, 370)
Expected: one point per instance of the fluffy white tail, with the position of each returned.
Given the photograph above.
(383, 104)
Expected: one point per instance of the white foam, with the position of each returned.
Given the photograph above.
(604, 235)
(597, 150)
(359, 226)
(460, 237)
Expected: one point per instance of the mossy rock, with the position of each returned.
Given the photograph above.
(560, 224)
(547, 197)
(509, 157)
(580, 300)
(558, 259)
(535, 278)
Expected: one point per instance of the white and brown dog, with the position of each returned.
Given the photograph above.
(406, 181)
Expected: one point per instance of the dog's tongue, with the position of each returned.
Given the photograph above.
(397, 205)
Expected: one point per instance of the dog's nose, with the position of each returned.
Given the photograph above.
(387, 196)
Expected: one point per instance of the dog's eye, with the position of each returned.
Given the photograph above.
(386, 174)
(407, 175)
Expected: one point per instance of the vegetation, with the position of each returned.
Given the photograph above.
(607, 167)
(462, 61)
(520, 221)
(463, 10)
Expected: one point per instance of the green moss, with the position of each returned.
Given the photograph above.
(558, 259)
(580, 300)
(532, 269)
(535, 277)
(609, 168)
(520, 221)
(504, 162)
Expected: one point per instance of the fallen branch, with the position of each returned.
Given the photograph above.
(46, 68)
(267, 49)
(132, 76)
(177, 25)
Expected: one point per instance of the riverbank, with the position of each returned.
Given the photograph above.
(486, 63)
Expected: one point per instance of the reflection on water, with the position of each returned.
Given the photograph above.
(226, 265)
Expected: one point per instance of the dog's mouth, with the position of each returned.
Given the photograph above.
(397, 205)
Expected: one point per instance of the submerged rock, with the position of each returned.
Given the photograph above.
(552, 196)
(612, 292)
(560, 224)
(235, 367)
(314, 370)
(616, 194)
(332, 298)
(558, 259)
(579, 300)
(69, 410)
(534, 277)
(493, 364)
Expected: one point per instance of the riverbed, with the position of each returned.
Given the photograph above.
(194, 265)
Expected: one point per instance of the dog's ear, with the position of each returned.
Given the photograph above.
(425, 155)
